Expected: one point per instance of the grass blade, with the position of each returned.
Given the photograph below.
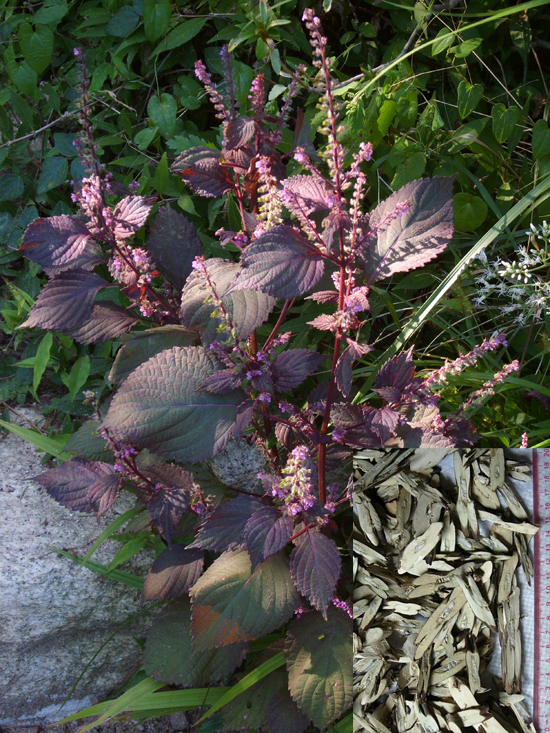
(250, 679)
(109, 530)
(133, 581)
(53, 445)
(424, 311)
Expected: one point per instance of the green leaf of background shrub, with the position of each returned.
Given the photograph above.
(11, 187)
(541, 139)
(156, 18)
(36, 46)
(123, 22)
(504, 121)
(54, 173)
(469, 96)
(470, 211)
(163, 113)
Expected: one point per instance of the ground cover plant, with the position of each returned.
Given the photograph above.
(286, 301)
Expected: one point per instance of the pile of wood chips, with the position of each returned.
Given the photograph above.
(435, 581)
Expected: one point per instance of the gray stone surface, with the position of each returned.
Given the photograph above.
(238, 464)
(54, 616)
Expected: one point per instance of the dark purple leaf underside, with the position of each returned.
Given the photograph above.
(173, 244)
(66, 301)
(307, 192)
(292, 366)
(70, 482)
(192, 156)
(170, 476)
(175, 570)
(103, 493)
(59, 243)
(166, 509)
(417, 236)
(207, 177)
(266, 532)
(281, 263)
(222, 382)
(238, 132)
(344, 366)
(108, 321)
(315, 566)
(224, 528)
(130, 215)
(395, 376)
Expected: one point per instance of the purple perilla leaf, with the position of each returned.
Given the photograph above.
(240, 160)
(292, 366)
(175, 570)
(266, 532)
(107, 321)
(238, 132)
(344, 366)
(315, 566)
(138, 347)
(130, 215)
(170, 476)
(366, 426)
(381, 422)
(414, 237)
(60, 243)
(281, 263)
(193, 155)
(103, 493)
(173, 244)
(160, 407)
(306, 193)
(171, 657)
(224, 528)
(247, 309)
(396, 377)
(324, 322)
(166, 509)
(324, 296)
(245, 413)
(66, 301)
(222, 382)
(207, 177)
(232, 603)
(70, 482)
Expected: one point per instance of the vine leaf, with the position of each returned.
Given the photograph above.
(171, 657)
(224, 528)
(281, 263)
(292, 366)
(315, 566)
(70, 482)
(413, 238)
(319, 660)
(231, 603)
(130, 215)
(160, 407)
(266, 532)
(107, 321)
(173, 244)
(60, 243)
(175, 570)
(66, 301)
(138, 347)
(247, 309)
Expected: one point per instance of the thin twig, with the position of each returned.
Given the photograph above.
(22, 417)
(37, 132)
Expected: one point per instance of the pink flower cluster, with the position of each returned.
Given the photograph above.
(296, 489)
